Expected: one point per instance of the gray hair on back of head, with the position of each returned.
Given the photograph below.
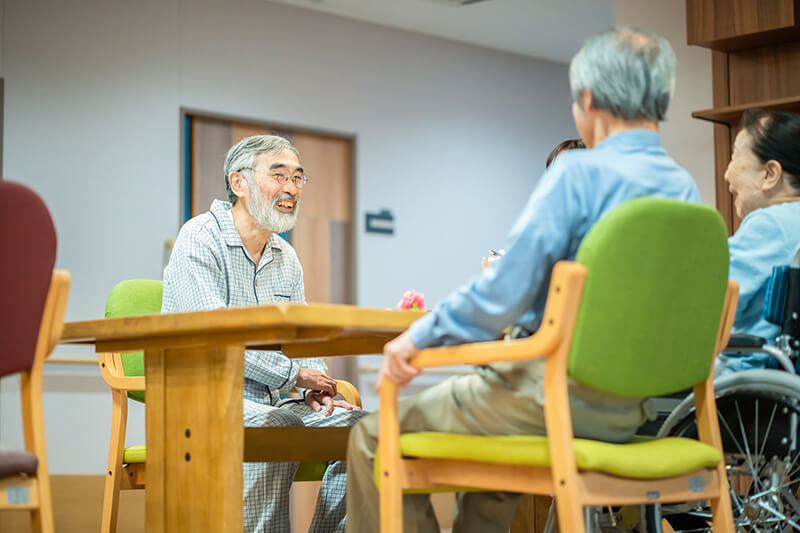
(242, 155)
(630, 73)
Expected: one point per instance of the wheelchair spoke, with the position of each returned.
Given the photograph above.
(769, 427)
(779, 515)
(755, 433)
(792, 470)
(748, 457)
(791, 499)
(745, 454)
(728, 429)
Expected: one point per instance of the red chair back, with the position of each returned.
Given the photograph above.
(27, 258)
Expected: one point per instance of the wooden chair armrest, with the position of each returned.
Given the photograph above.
(563, 295)
(482, 353)
(110, 369)
(349, 392)
(60, 289)
(728, 315)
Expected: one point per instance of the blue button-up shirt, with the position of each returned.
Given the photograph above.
(766, 238)
(578, 189)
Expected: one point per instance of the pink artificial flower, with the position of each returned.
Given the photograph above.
(413, 301)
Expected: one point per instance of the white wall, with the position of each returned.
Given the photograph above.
(688, 140)
(450, 137)
(2, 31)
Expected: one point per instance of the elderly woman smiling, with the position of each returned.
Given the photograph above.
(764, 174)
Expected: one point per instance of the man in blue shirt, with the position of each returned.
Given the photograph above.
(621, 83)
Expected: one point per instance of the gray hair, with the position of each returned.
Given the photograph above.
(242, 155)
(630, 73)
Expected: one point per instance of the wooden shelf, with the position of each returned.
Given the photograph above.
(730, 25)
(731, 115)
(752, 40)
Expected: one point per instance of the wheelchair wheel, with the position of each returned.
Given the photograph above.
(758, 425)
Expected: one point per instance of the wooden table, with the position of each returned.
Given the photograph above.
(194, 367)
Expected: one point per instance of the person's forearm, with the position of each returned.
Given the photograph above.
(272, 369)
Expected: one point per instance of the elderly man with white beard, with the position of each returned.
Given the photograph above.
(232, 256)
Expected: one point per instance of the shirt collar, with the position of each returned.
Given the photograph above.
(221, 211)
(637, 137)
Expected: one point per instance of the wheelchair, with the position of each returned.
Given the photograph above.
(758, 412)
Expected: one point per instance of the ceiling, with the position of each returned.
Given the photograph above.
(547, 29)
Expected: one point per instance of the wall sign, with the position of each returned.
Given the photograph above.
(380, 222)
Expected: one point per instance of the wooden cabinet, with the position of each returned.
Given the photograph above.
(735, 24)
(755, 63)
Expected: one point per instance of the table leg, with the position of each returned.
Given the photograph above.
(195, 439)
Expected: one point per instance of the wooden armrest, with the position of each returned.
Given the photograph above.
(111, 370)
(59, 287)
(728, 315)
(348, 392)
(564, 293)
(482, 353)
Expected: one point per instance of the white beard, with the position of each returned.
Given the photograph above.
(267, 216)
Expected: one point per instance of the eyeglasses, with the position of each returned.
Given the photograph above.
(299, 180)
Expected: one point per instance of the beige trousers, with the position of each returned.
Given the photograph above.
(485, 404)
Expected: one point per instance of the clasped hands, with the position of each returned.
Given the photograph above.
(321, 388)
(320, 391)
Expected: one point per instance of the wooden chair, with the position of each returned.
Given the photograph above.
(641, 312)
(124, 373)
(31, 320)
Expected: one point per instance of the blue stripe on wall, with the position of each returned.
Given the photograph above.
(187, 168)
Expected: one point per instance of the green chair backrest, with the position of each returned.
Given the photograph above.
(131, 298)
(657, 273)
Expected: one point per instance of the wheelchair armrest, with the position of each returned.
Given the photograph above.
(745, 343)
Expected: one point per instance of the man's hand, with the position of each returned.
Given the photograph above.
(320, 400)
(485, 263)
(316, 380)
(395, 367)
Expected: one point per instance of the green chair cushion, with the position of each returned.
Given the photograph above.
(133, 454)
(312, 471)
(134, 297)
(654, 459)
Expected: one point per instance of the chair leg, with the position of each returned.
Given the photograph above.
(391, 486)
(42, 518)
(33, 430)
(570, 514)
(114, 471)
(721, 510)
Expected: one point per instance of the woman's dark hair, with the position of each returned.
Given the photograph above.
(569, 144)
(776, 135)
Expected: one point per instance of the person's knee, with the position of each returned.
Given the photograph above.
(283, 418)
(363, 435)
(272, 417)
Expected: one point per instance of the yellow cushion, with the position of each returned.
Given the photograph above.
(652, 459)
(134, 454)
(306, 472)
